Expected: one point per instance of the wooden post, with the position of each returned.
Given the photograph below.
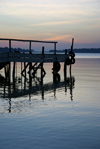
(24, 83)
(30, 78)
(9, 71)
(21, 75)
(72, 44)
(65, 51)
(42, 50)
(65, 67)
(41, 72)
(14, 71)
(7, 74)
(25, 68)
(30, 47)
(9, 45)
(54, 48)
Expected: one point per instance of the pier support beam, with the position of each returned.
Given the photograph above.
(40, 66)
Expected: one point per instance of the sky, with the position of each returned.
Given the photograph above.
(51, 20)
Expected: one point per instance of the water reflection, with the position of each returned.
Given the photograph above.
(23, 87)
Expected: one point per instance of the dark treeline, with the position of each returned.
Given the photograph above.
(6, 49)
(81, 50)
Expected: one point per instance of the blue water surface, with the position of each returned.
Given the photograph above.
(56, 115)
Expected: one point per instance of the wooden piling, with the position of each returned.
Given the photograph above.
(41, 72)
(9, 45)
(25, 68)
(42, 50)
(72, 45)
(65, 67)
(30, 47)
(14, 70)
(30, 78)
(54, 48)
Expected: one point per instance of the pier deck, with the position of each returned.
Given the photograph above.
(26, 57)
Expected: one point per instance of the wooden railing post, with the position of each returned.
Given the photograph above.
(72, 44)
(54, 48)
(65, 51)
(9, 45)
(42, 50)
(30, 47)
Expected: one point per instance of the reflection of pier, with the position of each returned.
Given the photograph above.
(15, 89)
(22, 87)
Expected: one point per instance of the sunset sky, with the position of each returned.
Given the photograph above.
(54, 20)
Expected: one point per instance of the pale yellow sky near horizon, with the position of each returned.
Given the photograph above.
(58, 20)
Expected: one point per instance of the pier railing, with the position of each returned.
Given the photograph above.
(30, 57)
(30, 41)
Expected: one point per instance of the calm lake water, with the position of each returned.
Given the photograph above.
(53, 115)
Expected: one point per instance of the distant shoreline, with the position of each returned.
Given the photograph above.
(80, 50)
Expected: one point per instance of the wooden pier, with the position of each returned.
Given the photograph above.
(38, 59)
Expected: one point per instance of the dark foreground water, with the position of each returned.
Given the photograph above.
(53, 115)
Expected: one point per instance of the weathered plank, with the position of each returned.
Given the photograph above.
(25, 57)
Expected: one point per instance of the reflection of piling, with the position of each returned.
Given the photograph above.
(42, 90)
(9, 105)
(65, 67)
(14, 91)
